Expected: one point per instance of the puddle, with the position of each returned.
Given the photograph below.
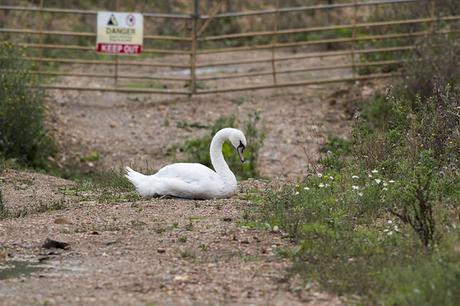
(16, 269)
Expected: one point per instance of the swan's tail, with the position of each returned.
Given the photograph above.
(140, 181)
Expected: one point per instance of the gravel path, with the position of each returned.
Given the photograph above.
(157, 252)
(140, 130)
(162, 251)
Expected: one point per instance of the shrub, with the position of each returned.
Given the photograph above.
(429, 280)
(197, 150)
(382, 221)
(431, 61)
(433, 66)
(23, 135)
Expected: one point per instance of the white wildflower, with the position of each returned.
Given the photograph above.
(375, 171)
(321, 185)
(331, 178)
(355, 177)
(276, 228)
(319, 174)
(360, 194)
(296, 193)
(391, 181)
(306, 188)
(390, 233)
(385, 184)
(384, 188)
(378, 181)
(326, 185)
(355, 187)
(369, 175)
(390, 222)
(385, 230)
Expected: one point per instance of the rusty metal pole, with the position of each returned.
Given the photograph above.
(42, 20)
(353, 44)
(193, 56)
(433, 17)
(116, 55)
(274, 42)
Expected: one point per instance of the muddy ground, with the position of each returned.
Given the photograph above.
(160, 251)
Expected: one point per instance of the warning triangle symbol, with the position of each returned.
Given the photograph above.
(112, 21)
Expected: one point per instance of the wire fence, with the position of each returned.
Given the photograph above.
(348, 41)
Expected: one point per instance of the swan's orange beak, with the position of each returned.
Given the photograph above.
(240, 150)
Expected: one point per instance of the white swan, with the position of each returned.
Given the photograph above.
(192, 180)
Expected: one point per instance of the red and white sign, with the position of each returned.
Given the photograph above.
(119, 33)
(119, 48)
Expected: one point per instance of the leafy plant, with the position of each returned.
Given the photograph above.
(414, 205)
(380, 224)
(197, 150)
(23, 135)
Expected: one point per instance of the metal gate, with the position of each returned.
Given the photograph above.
(199, 53)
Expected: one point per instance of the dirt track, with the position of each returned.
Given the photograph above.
(158, 252)
(166, 252)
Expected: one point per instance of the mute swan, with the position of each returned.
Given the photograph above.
(192, 180)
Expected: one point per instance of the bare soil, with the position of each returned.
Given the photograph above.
(162, 251)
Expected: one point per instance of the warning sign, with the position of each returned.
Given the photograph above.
(119, 33)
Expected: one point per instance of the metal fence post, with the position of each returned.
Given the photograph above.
(195, 17)
(353, 44)
(433, 17)
(42, 20)
(116, 55)
(274, 41)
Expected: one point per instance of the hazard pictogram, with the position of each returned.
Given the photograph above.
(112, 21)
(130, 20)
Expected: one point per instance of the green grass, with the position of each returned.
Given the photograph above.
(187, 254)
(107, 186)
(8, 213)
(380, 224)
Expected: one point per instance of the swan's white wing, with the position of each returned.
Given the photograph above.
(187, 172)
(189, 181)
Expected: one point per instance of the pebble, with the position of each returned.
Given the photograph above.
(54, 244)
(62, 220)
(161, 250)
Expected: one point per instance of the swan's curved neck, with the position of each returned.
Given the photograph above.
(217, 158)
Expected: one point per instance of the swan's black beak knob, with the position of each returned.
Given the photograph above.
(240, 150)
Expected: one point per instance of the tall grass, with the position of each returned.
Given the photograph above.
(380, 223)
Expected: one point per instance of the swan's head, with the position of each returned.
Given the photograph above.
(238, 141)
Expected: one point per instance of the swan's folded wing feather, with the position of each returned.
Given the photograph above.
(188, 180)
(188, 173)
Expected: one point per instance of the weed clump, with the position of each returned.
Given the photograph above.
(23, 135)
(197, 150)
(381, 219)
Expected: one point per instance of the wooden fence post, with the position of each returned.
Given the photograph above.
(195, 17)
